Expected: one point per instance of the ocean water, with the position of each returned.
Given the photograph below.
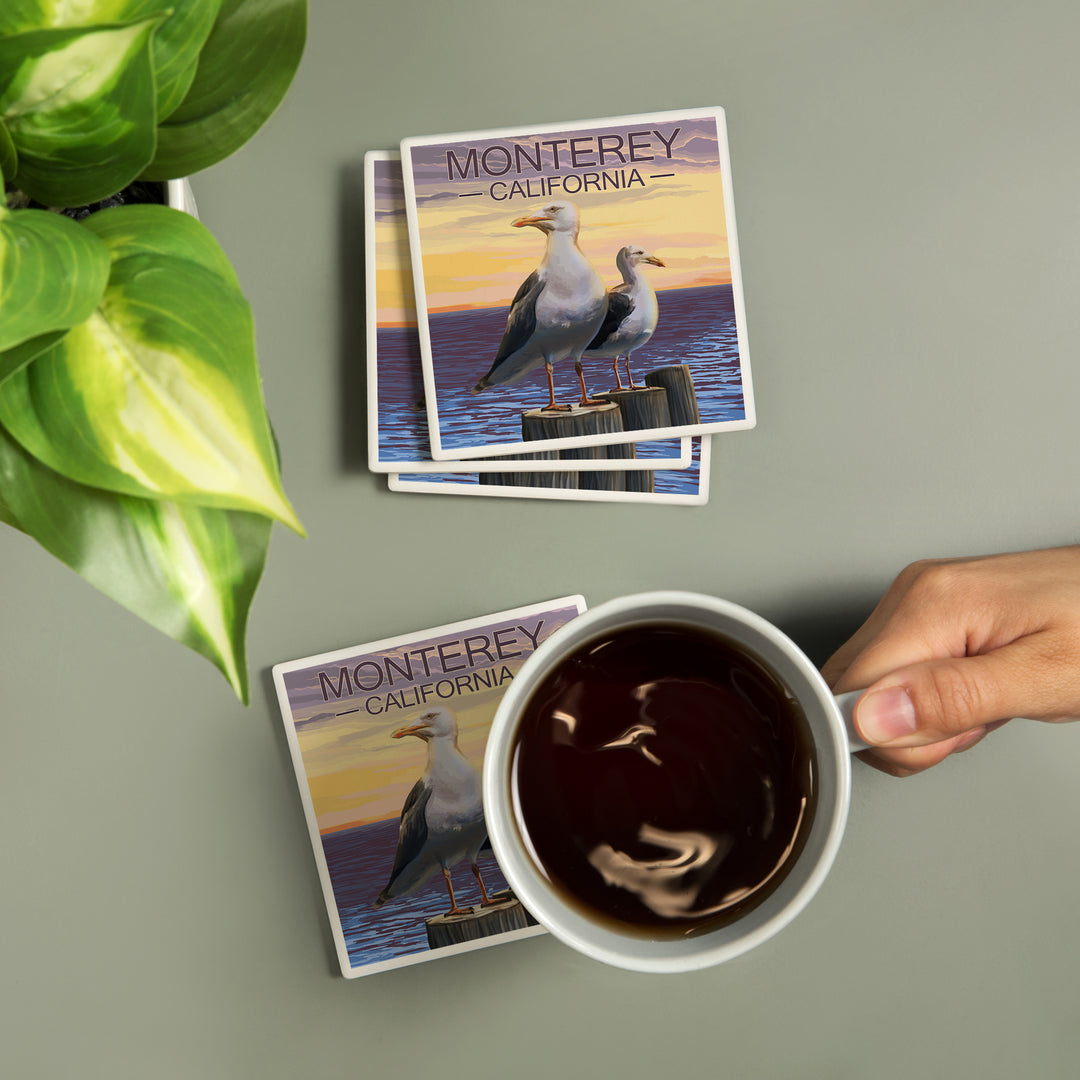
(696, 327)
(359, 861)
(403, 429)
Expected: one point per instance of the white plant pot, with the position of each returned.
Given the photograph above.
(178, 194)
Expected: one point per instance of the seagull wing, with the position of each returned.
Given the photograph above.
(412, 835)
(619, 306)
(521, 323)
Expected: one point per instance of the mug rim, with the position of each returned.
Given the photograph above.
(631, 950)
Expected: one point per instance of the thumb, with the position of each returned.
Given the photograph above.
(939, 699)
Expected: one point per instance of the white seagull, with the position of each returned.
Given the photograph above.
(631, 315)
(558, 309)
(442, 821)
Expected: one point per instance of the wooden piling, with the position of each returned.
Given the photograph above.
(540, 424)
(574, 423)
(478, 922)
(530, 479)
(596, 479)
(679, 384)
(642, 410)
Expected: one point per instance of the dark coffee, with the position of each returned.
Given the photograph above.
(664, 779)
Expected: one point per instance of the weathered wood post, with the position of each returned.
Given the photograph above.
(575, 422)
(641, 410)
(596, 479)
(540, 424)
(530, 479)
(478, 922)
(679, 384)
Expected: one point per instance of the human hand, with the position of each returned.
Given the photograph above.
(956, 648)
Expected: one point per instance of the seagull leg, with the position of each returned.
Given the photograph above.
(585, 399)
(486, 901)
(551, 406)
(626, 361)
(615, 369)
(454, 909)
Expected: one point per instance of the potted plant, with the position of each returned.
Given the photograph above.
(134, 440)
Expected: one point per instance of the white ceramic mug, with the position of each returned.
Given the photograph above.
(829, 720)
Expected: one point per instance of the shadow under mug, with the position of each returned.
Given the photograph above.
(829, 720)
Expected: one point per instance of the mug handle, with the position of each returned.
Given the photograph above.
(846, 705)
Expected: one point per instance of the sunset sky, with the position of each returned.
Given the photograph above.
(473, 256)
(395, 298)
(356, 772)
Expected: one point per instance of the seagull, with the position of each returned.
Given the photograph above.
(558, 309)
(442, 821)
(631, 314)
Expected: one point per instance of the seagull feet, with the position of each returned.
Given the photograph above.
(591, 403)
(556, 408)
(485, 899)
(455, 910)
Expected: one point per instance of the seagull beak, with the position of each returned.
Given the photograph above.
(655, 261)
(536, 219)
(419, 730)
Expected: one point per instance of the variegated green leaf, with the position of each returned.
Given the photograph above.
(79, 106)
(7, 515)
(9, 157)
(149, 229)
(52, 274)
(175, 48)
(157, 394)
(245, 68)
(18, 356)
(190, 571)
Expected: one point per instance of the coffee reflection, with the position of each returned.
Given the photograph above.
(663, 779)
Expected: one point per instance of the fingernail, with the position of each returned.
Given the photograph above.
(886, 715)
(970, 738)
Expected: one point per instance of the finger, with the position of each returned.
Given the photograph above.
(909, 760)
(925, 614)
(934, 700)
(836, 667)
(903, 640)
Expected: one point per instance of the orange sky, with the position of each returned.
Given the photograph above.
(474, 257)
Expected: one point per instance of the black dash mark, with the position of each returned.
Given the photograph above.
(660, 175)
(470, 194)
(346, 712)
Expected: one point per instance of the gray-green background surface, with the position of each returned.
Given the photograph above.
(908, 204)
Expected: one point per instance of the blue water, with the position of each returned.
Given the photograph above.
(403, 428)
(359, 861)
(696, 327)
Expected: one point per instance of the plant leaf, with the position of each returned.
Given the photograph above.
(189, 571)
(157, 394)
(9, 158)
(176, 45)
(53, 272)
(17, 357)
(79, 106)
(146, 228)
(7, 515)
(245, 68)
